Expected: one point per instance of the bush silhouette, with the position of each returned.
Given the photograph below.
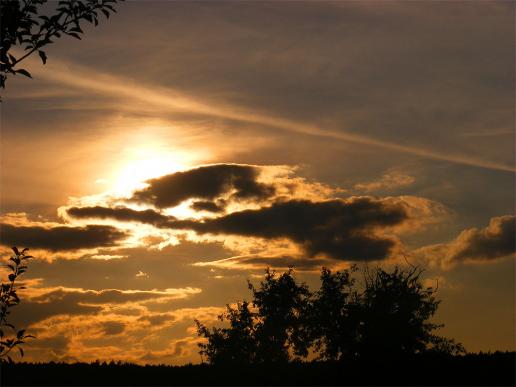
(10, 337)
(387, 317)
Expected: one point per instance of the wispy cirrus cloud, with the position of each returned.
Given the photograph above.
(165, 98)
(388, 181)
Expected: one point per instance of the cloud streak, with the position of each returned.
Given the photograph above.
(82, 78)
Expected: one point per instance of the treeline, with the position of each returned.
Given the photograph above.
(496, 369)
(377, 315)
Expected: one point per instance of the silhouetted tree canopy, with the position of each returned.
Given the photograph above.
(333, 318)
(386, 316)
(281, 305)
(266, 332)
(394, 313)
(34, 24)
(235, 344)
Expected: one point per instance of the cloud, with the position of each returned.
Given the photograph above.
(208, 206)
(389, 181)
(488, 244)
(42, 303)
(89, 337)
(60, 238)
(206, 182)
(344, 229)
(259, 262)
(169, 99)
(340, 229)
(112, 327)
(107, 296)
(494, 241)
(157, 318)
(122, 214)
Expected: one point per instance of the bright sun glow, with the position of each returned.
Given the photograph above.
(133, 175)
(141, 162)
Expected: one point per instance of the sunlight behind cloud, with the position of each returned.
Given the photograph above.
(144, 158)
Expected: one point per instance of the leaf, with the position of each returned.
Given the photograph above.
(21, 351)
(12, 277)
(43, 56)
(74, 35)
(23, 72)
(15, 249)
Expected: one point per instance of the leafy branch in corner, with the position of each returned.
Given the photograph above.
(8, 299)
(22, 24)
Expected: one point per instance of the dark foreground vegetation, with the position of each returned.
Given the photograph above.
(369, 328)
(496, 369)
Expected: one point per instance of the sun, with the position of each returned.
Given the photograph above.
(147, 161)
(136, 172)
(147, 150)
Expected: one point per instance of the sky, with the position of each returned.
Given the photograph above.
(180, 148)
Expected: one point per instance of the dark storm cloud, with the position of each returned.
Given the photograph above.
(336, 228)
(208, 206)
(206, 182)
(60, 238)
(497, 240)
(123, 214)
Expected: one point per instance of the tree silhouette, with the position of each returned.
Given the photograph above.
(394, 312)
(388, 317)
(23, 24)
(235, 344)
(333, 321)
(8, 299)
(266, 334)
(282, 308)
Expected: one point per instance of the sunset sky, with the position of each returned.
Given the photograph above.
(180, 148)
